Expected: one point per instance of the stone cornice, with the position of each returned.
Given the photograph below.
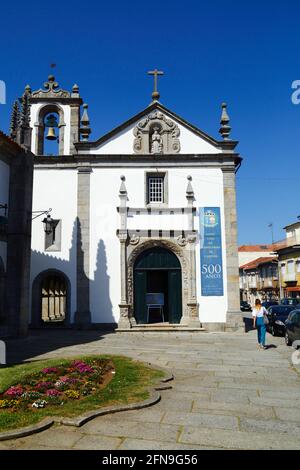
(54, 99)
(225, 161)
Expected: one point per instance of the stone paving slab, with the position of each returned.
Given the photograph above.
(162, 432)
(201, 419)
(97, 443)
(234, 409)
(271, 426)
(288, 414)
(238, 440)
(142, 444)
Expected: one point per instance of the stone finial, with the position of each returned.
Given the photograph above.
(75, 91)
(189, 189)
(123, 190)
(225, 127)
(85, 129)
(28, 89)
(14, 119)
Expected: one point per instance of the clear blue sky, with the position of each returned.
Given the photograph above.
(211, 51)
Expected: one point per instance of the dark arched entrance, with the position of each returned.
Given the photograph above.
(51, 299)
(157, 287)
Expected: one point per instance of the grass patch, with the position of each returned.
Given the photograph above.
(128, 385)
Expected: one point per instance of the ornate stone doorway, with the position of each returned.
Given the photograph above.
(157, 287)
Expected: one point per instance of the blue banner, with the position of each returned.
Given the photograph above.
(211, 252)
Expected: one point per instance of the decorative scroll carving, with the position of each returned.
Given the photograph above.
(181, 241)
(156, 134)
(134, 240)
(51, 90)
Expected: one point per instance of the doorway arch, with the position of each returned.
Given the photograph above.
(51, 296)
(157, 280)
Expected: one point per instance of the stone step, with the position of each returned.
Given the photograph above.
(160, 327)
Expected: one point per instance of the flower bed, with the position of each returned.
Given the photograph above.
(74, 380)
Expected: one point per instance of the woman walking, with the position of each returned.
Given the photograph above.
(259, 314)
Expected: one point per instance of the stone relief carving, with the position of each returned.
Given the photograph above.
(156, 134)
(134, 240)
(181, 241)
(51, 90)
(156, 142)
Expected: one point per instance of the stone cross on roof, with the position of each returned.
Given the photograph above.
(155, 93)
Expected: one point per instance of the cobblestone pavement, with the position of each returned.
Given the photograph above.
(227, 394)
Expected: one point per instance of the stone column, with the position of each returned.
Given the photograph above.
(83, 314)
(16, 303)
(234, 320)
(124, 321)
(74, 126)
(193, 306)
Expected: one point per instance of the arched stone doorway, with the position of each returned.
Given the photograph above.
(157, 287)
(51, 294)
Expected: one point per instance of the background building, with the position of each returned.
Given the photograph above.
(289, 262)
(16, 172)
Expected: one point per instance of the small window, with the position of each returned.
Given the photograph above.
(155, 189)
(53, 239)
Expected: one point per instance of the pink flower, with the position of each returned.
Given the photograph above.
(82, 367)
(52, 393)
(14, 391)
(50, 370)
(43, 385)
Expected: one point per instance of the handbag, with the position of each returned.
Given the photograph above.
(266, 320)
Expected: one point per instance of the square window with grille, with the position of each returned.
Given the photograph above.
(155, 189)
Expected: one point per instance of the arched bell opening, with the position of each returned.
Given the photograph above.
(50, 131)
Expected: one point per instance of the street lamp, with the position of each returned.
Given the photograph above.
(48, 224)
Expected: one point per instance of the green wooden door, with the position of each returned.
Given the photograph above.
(157, 259)
(174, 296)
(140, 288)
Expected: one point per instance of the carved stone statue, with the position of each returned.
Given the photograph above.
(156, 142)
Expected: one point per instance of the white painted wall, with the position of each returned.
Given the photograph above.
(105, 246)
(248, 256)
(34, 113)
(122, 143)
(56, 189)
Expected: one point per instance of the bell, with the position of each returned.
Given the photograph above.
(51, 134)
(51, 123)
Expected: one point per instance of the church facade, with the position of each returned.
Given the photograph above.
(142, 228)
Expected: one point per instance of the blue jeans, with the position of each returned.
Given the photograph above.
(261, 330)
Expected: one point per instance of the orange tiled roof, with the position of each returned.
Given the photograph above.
(254, 248)
(255, 263)
(9, 140)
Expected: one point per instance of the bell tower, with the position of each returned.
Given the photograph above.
(54, 115)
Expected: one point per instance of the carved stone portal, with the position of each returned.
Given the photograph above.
(156, 134)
